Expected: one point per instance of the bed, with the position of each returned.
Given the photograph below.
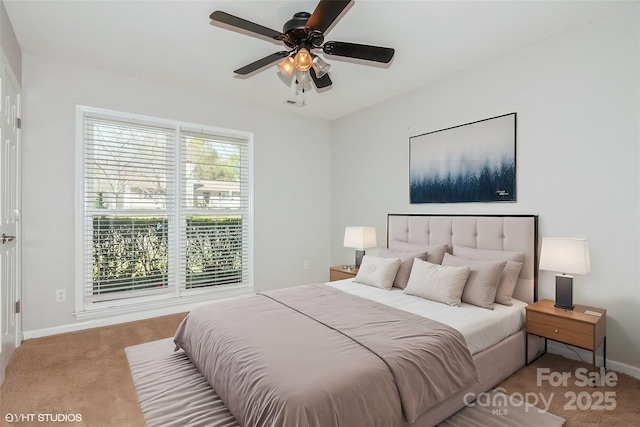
(351, 372)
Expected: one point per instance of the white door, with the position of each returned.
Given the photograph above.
(9, 215)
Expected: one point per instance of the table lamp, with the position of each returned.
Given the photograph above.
(359, 238)
(565, 255)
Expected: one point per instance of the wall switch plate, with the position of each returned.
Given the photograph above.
(306, 264)
(61, 295)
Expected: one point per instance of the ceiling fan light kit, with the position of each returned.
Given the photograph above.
(302, 34)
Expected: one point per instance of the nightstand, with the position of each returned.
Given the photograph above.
(340, 273)
(575, 327)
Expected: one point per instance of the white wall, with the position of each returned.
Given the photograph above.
(9, 43)
(577, 99)
(291, 176)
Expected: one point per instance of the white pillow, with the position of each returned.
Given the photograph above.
(406, 262)
(510, 274)
(436, 282)
(435, 253)
(378, 272)
(483, 280)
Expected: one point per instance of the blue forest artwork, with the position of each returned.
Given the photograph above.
(475, 162)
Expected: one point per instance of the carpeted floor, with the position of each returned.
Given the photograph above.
(614, 402)
(86, 373)
(83, 372)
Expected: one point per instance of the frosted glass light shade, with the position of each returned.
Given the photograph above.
(286, 66)
(303, 60)
(320, 67)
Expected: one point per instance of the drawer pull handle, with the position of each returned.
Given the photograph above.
(556, 331)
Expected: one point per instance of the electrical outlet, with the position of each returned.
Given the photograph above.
(61, 295)
(306, 264)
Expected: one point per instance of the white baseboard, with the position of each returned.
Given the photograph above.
(586, 356)
(114, 320)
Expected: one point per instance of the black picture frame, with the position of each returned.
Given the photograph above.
(473, 162)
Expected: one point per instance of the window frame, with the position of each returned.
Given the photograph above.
(179, 295)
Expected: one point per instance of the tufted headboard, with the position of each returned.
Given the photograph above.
(497, 232)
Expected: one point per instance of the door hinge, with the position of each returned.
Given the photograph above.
(18, 122)
(17, 307)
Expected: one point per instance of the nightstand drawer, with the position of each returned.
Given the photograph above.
(339, 275)
(563, 330)
(560, 323)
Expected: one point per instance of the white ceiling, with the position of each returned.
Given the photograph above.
(174, 42)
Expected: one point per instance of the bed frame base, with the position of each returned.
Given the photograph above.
(494, 365)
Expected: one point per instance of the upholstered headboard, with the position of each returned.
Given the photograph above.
(497, 232)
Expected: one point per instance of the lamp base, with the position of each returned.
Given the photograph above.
(359, 256)
(563, 307)
(564, 292)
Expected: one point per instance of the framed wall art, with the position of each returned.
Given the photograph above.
(474, 162)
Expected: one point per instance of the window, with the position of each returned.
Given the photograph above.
(165, 212)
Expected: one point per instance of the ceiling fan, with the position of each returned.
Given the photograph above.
(303, 34)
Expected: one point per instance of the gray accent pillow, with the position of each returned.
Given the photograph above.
(406, 262)
(436, 282)
(483, 280)
(378, 272)
(435, 253)
(510, 274)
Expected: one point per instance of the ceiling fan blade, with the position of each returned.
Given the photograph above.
(360, 51)
(267, 60)
(321, 82)
(243, 24)
(326, 12)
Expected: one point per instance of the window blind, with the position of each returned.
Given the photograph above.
(214, 209)
(129, 200)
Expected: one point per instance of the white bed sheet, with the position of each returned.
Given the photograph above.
(480, 327)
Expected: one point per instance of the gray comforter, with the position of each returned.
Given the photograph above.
(316, 356)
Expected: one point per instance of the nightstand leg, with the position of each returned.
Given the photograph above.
(538, 356)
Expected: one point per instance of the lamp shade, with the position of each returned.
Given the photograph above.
(565, 255)
(360, 237)
(320, 67)
(286, 66)
(303, 60)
